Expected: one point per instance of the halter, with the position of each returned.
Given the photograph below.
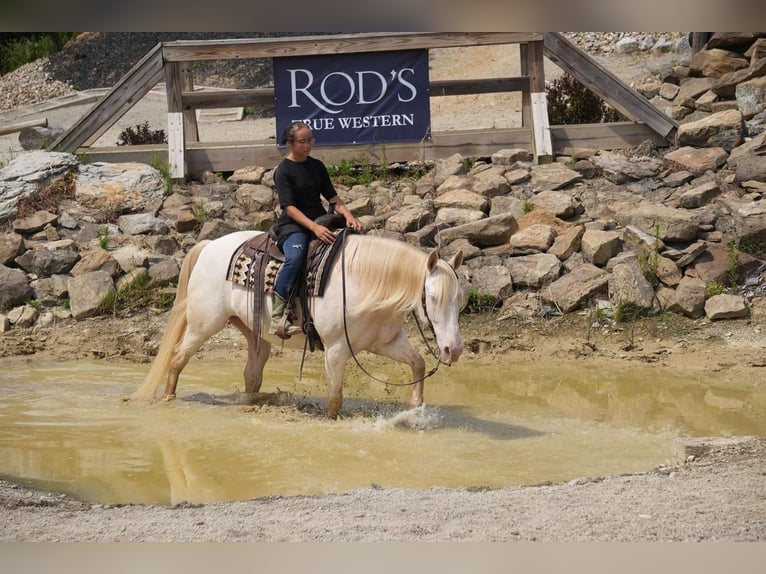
(417, 322)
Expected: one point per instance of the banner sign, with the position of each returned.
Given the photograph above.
(355, 98)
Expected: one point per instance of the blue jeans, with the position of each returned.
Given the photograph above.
(294, 247)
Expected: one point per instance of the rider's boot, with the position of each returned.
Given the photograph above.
(280, 322)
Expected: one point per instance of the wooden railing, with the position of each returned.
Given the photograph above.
(172, 61)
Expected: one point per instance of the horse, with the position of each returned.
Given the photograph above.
(372, 285)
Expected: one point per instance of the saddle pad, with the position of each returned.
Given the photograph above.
(241, 267)
(241, 270)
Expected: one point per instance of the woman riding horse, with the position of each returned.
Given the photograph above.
(300, 180)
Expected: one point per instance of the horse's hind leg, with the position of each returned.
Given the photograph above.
(190, 343)
(256, 360)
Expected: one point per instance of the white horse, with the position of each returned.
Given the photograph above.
(363, 308)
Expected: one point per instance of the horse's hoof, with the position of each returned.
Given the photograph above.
(170, 397)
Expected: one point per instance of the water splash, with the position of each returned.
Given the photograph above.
(420, 418)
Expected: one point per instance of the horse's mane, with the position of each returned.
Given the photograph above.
(390, 274)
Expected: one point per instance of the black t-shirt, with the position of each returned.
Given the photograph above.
(301, 184)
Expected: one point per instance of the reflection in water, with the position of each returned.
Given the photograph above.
(64, 428)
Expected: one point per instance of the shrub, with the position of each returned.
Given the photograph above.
(142, 134)
(570, 102)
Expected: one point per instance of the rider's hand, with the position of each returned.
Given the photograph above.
(324, 234)
(355, 224)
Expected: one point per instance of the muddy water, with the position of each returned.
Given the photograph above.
(64, 428)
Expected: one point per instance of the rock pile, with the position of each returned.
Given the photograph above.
(624, 233)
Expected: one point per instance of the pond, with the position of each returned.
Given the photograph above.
(63, 427)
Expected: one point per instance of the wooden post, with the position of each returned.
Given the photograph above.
(176, 142)
(191, 131)
(526, 100)
(538, 104)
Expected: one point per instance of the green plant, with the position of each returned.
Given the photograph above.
(527, 206)
(140, 135)
(199, 211)
(599, 314)
(103, 237)
(34, 303)
(570, 102)
(478, 303)
(627, 313)
(733, 271)
(367, 172)
(754, 247)
(649, 259)
(714, 288)
(17, 49)
(135, 295)
(161, 165)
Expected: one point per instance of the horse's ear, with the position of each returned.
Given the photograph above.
(433, 258)
(457, 259)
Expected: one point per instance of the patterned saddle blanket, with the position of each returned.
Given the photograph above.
(245, 264)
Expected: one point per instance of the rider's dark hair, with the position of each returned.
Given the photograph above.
(289, 134)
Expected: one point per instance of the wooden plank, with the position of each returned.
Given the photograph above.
(264, 97)
(227, 99)
(200, 50)
(124, 95)
(485, 86)
(617, 135)
(230, 156)
(17, 127)
(606, 85)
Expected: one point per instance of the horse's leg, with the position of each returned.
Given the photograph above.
(400, 349)
(255, 360)
(335, 357)
(189, 344)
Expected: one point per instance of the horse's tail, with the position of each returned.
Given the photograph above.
(174, 330)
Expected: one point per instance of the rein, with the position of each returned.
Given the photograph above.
(417, 322)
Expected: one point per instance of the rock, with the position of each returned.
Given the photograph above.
(725, 306)
(39, 137)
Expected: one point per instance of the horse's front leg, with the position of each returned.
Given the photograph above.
(335, 357)
(400, 349)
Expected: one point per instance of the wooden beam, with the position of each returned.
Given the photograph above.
(616, 135)
(200, 50)
(606, 85)
(124, 95)
(10, 128)
(264, 97)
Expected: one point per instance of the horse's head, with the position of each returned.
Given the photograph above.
(443, 299)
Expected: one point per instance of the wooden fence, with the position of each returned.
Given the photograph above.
(172, 62)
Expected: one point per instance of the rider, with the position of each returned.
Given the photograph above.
(300, 180)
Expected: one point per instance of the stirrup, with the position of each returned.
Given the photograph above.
(285, 329)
